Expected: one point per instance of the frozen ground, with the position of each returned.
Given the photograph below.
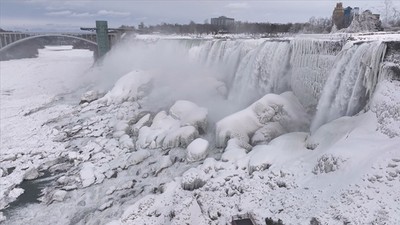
(111, 160)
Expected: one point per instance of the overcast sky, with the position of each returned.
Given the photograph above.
(72, 14)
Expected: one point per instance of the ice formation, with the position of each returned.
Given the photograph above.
(119, 161)
(197, 149)
(283, 109)
(351, 82)
(177, 129)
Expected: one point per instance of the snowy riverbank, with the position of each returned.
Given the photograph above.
(219, 129)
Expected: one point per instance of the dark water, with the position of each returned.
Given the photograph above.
(32, 191)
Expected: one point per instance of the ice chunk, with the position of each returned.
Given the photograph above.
(89, 96)
(165, 162)
(128, 88)
(126, 142)
(59, 195)
(139, 124)
(180, 137)
(31, 174)
(233, 151)
(190, 114)
(267, 133)
(284, 108)
(197, 150)
(87, 174)
(192, 179)
(166, 132)
(137, 157)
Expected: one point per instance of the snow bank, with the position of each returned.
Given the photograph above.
(130, 87)
(386, 105)
(284, 109)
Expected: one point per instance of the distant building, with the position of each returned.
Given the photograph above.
(222, 21)
(338, 16)
(356, 11)
(347, 16)
(353, 20)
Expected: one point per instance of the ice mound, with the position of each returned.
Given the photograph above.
(192, 179)
(266, 133)
(197, 150)
(190, 114)
(90, 96)
(260, 160)
(284, 109)
(386, 105)
(176, 129)
(234, 151)
(128, 88)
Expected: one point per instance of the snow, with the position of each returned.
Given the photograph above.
(115, 160)
(197, 149)
(87, 174)
(284, 109)
(129, 87)
(190, 114)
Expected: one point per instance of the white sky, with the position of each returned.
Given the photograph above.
(72, 14)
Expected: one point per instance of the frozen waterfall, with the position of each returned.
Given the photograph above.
(350, 83)
(330, 78)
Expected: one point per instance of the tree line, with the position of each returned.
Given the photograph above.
(314, 25)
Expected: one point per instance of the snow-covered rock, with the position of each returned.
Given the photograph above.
(266, 133)
(131, 86)
(197, 149)
(137, 157)
(176, 129)
(234, 151)
(90, 96)
(192, 179)
(87, 174)
(180, 137)
(59, 195)
(284, 109)
(31, 174)
(190, 114)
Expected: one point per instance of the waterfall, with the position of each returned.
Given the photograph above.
(330, 78)
(263, 70)
(350, 82)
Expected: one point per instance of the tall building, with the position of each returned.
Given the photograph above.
(338, 16)
(348, 16)
(222, 21)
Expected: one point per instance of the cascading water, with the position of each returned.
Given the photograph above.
(262, 70)
(329, 79)
(350, 83)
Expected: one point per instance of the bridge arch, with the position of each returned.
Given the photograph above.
(5, 48)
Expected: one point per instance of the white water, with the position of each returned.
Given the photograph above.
(337, 82)
(350, 83)
(319, 72)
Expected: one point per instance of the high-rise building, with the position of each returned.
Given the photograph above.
(222, 21)
(348, 16)
(338, 16)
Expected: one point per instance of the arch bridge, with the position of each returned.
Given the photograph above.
(104, 37)
(10, 39)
